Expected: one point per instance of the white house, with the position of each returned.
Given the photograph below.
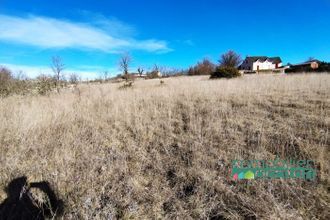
(259, 63)
(138, 75)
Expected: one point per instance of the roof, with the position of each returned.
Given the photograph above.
(307, 62)
(263, 59)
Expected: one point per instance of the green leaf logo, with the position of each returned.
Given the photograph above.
(249, 175)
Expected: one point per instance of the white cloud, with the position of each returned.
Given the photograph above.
(112, 36)
(111, 25)
(29, 71)
(85, 72)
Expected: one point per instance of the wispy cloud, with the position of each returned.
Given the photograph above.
(85, 72)
(110, 36)
(111, 25)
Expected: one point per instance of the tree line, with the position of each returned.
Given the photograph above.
(44, 83)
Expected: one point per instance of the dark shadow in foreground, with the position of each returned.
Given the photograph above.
(20, 203)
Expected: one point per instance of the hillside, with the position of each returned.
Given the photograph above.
(158, 151)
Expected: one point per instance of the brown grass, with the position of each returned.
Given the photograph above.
(163, 151)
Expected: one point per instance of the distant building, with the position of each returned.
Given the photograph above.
(313, 64)
(259, 63)
(309, 66)
(138, 75)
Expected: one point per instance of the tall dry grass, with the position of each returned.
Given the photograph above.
(158, 151)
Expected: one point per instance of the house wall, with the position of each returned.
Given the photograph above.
(280, 65)
(265, 65)
(262, 65)
(247, 65)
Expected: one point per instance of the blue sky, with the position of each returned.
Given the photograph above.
(90, 35)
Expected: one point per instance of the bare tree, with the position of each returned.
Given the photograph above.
(156, 68)
(140, 71)
(124, 63)
(73, 78)
(105, 75)
(230, 59)
(57, 67)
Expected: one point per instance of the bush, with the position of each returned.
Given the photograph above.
(45, 84)
(13, 85)
(128, 84)
(21, 87)
(153, 75)
(225, 72)
(73, 78)
(127, 77)
(6, 80)
(206, 67)
(323, 67)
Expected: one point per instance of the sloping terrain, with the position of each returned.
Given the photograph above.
(158, 151)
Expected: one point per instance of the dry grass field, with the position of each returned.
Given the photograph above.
(164, 151)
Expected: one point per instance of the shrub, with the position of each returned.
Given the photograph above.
(45, 84)
(6, 79)
(73, 79)
(153, 74)
(126, 85)
(127, 77)
(13, 85)
(21, 87)
(206, 67)
(225, 72)
(323, 67)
